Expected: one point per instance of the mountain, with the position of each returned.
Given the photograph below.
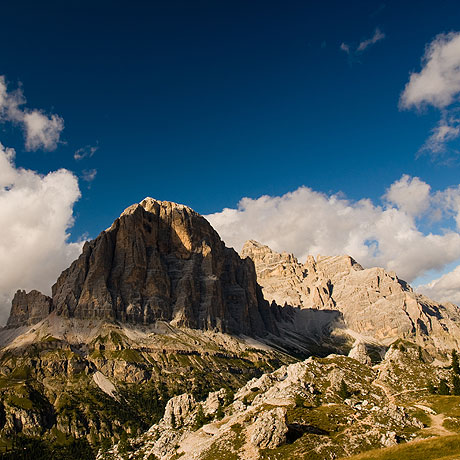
(156, 305)
(157, 328)
(374, 305)
(159, 261)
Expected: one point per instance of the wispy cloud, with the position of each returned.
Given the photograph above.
(345, 47)
(437, 85)
(41, 131)
(378, 35)
(363, 45)
(88, 175)
(85, 152)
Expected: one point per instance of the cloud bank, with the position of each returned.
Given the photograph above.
(437, 85)
(41, 131)
(35, 215)
(388, 234)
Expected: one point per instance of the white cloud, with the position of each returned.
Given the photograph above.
(378, 35)
(308, 222)
(444, 289)
(409, 194)
(447, 130)
(85, 152)
(41, 131)
(35, 215)
(88, 175)
(438, 83)
(363, 45)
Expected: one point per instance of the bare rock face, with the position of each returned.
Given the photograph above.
(178, 411)
(270, 429)
(29, 308)
(374, 303)
(158, 261)
(359, 352)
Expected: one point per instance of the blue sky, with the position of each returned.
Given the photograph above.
(207, 102)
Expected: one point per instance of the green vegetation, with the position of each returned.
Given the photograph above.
(26, 448)
(445, 448)
(344, 392)
(443, 387)
(455, 363)
(227, 449)
(200, 418)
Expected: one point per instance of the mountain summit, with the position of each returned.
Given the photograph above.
(158, 261)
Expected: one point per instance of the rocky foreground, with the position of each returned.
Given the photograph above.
(320, 408)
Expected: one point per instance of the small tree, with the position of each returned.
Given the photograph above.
(444, 388)
(123, 444)
(229, 397)
(173, 420)
(432, 389)
(298, 401)
(456, 385)
(344, 392)
(420, 354)
(220, 412)
(455, 364)
(200, 418)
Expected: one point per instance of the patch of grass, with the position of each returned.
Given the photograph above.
(447, 447)
(326, 418)
(448, 405)
(20, 402)
(227, 449)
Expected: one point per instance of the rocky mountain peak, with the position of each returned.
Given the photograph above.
(160, 261)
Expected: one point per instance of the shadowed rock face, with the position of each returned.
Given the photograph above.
(29, 308)
(162, 261)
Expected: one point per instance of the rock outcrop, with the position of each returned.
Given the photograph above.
(159, 261)
(29, 308)
(373, 303)
(269, 429)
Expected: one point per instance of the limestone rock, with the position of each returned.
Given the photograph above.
(29, 308)
(213, 401)
(373, 303)
(178, 411)
(359, 352)
(270, 429)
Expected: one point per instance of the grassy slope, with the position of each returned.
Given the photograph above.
(445, 448)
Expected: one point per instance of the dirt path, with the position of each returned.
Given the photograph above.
(437, 427)
(385, 389)
(437, 420)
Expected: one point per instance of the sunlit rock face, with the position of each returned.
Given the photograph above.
(374, 303)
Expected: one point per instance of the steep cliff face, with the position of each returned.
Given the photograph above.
(158, 261)
(29, 308)
(373, 303)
